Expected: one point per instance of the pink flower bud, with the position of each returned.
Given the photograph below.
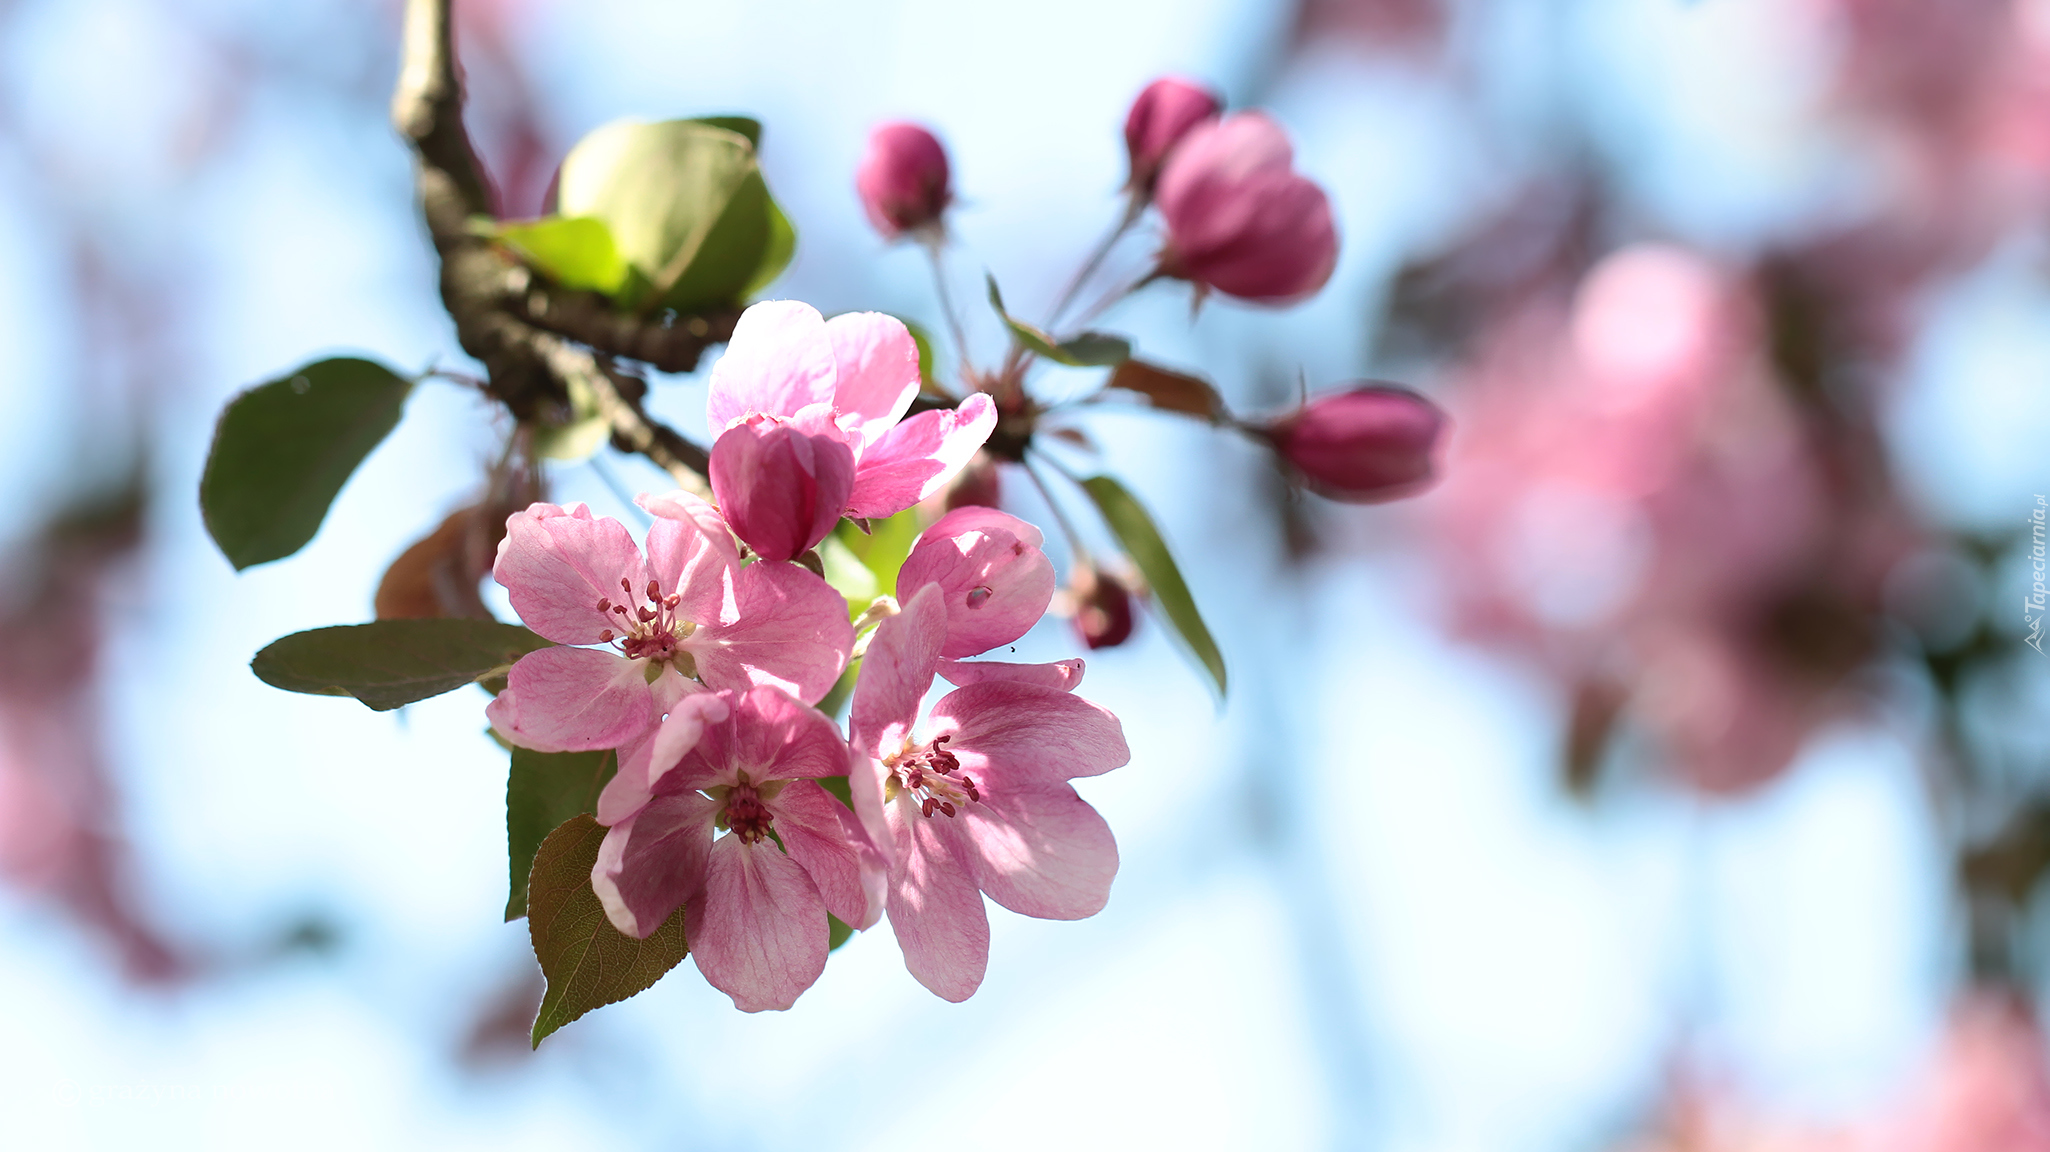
(781, 489)
(1103, 608)
(903, 179)
(1239, 218)
(1160, 117)
(1362, 445)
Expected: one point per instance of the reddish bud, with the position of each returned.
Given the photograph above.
(781, 489)
(1103, 608)
(903, 179)
(1362, 445)
(1240, 219)
(1164, 113)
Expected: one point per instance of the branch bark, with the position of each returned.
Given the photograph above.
(526, 334)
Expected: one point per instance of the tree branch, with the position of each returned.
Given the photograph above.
(513, 325)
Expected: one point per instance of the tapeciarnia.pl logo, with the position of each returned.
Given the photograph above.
(2039, 596)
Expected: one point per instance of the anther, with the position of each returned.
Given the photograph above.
(605, 637)
(654, 590)
(604, 605)
(646, 614)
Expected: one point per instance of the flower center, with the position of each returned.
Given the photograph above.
(934, 778)
(744, 813)
(648, 630)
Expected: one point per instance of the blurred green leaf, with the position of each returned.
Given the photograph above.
(1133, 526)
(747, 126)
(848, 575)
(542, 790)
(574, 251)
(588, 962)
(389, 663)
(283, 450)
(1088, 350)
(686, 205)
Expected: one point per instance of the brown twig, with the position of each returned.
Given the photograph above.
(526, 334)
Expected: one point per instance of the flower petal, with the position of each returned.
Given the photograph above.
(1064, 675)
(768, 735)
(758, 927)
(896, 674)
(1040, 850)
(572, 700)
(653, 862)
(645, 761)
(935, 909)
(557, 563)
(781, 489)
(778, 361)
(829, 843)
(787, 628)
(917, 457)
(876, 372)
(691, 553)
(997, 583)
(1012, 732)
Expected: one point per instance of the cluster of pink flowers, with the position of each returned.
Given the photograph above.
(702, 664)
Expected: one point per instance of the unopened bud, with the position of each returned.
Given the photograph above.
(1240, 219)
(1363, 445)
(1103, 608)
(1164, 113)
(781, 489)
(903, 179)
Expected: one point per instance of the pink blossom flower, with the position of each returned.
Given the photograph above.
(1362, 445)
(756, 898)
(688, 609)
(847, 381)
(1239, 218)
(902, 179)
(981, 803)
(992, 577)
(1167, 110)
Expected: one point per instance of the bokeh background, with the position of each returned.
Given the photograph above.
(1670, 777)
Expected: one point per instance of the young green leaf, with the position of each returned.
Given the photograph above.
(1168, 390)
(1133, 526)
(282, 450)
(588, 962)
(542, 790)
(574, 251)
(389, 663)
(1088, 350)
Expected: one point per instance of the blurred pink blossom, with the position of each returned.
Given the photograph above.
(903, 180)
(1240, 220)
(1164, 112)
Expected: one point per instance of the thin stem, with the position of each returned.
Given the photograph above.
(1133, 209)
(939, 280)
(1117, 294)
(1060, 517)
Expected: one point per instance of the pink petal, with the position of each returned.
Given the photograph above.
(781, 489)
(645, 761)
(787, 629)
(829, 843)
(917, 457)
(767, 735)
(997, 584)
(572, 700)
(896, 674)
(1064, 675)
(865, 776)
(981, 518)
(691, 553)
(876, 372)
(758, 928)
(935, 909)
(1015, 732)
(650, 864)
(557, 563)
(778, 361)
(1040, 850)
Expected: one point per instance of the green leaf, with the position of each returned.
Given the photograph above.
(389, 663)
(881, 549)
(838, 932)
(542, 790)
(282, 450)
(588, 962)
(686, 205)
(574, 251)
(747, 126)
(1133, 526)
(1088, 350)
(1168, 390)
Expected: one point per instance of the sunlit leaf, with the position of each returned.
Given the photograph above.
(389, 663)
(1090, 349)
(542, 790)
(588, 963)
(283, 450)
(574, 251)
(1133, 526)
